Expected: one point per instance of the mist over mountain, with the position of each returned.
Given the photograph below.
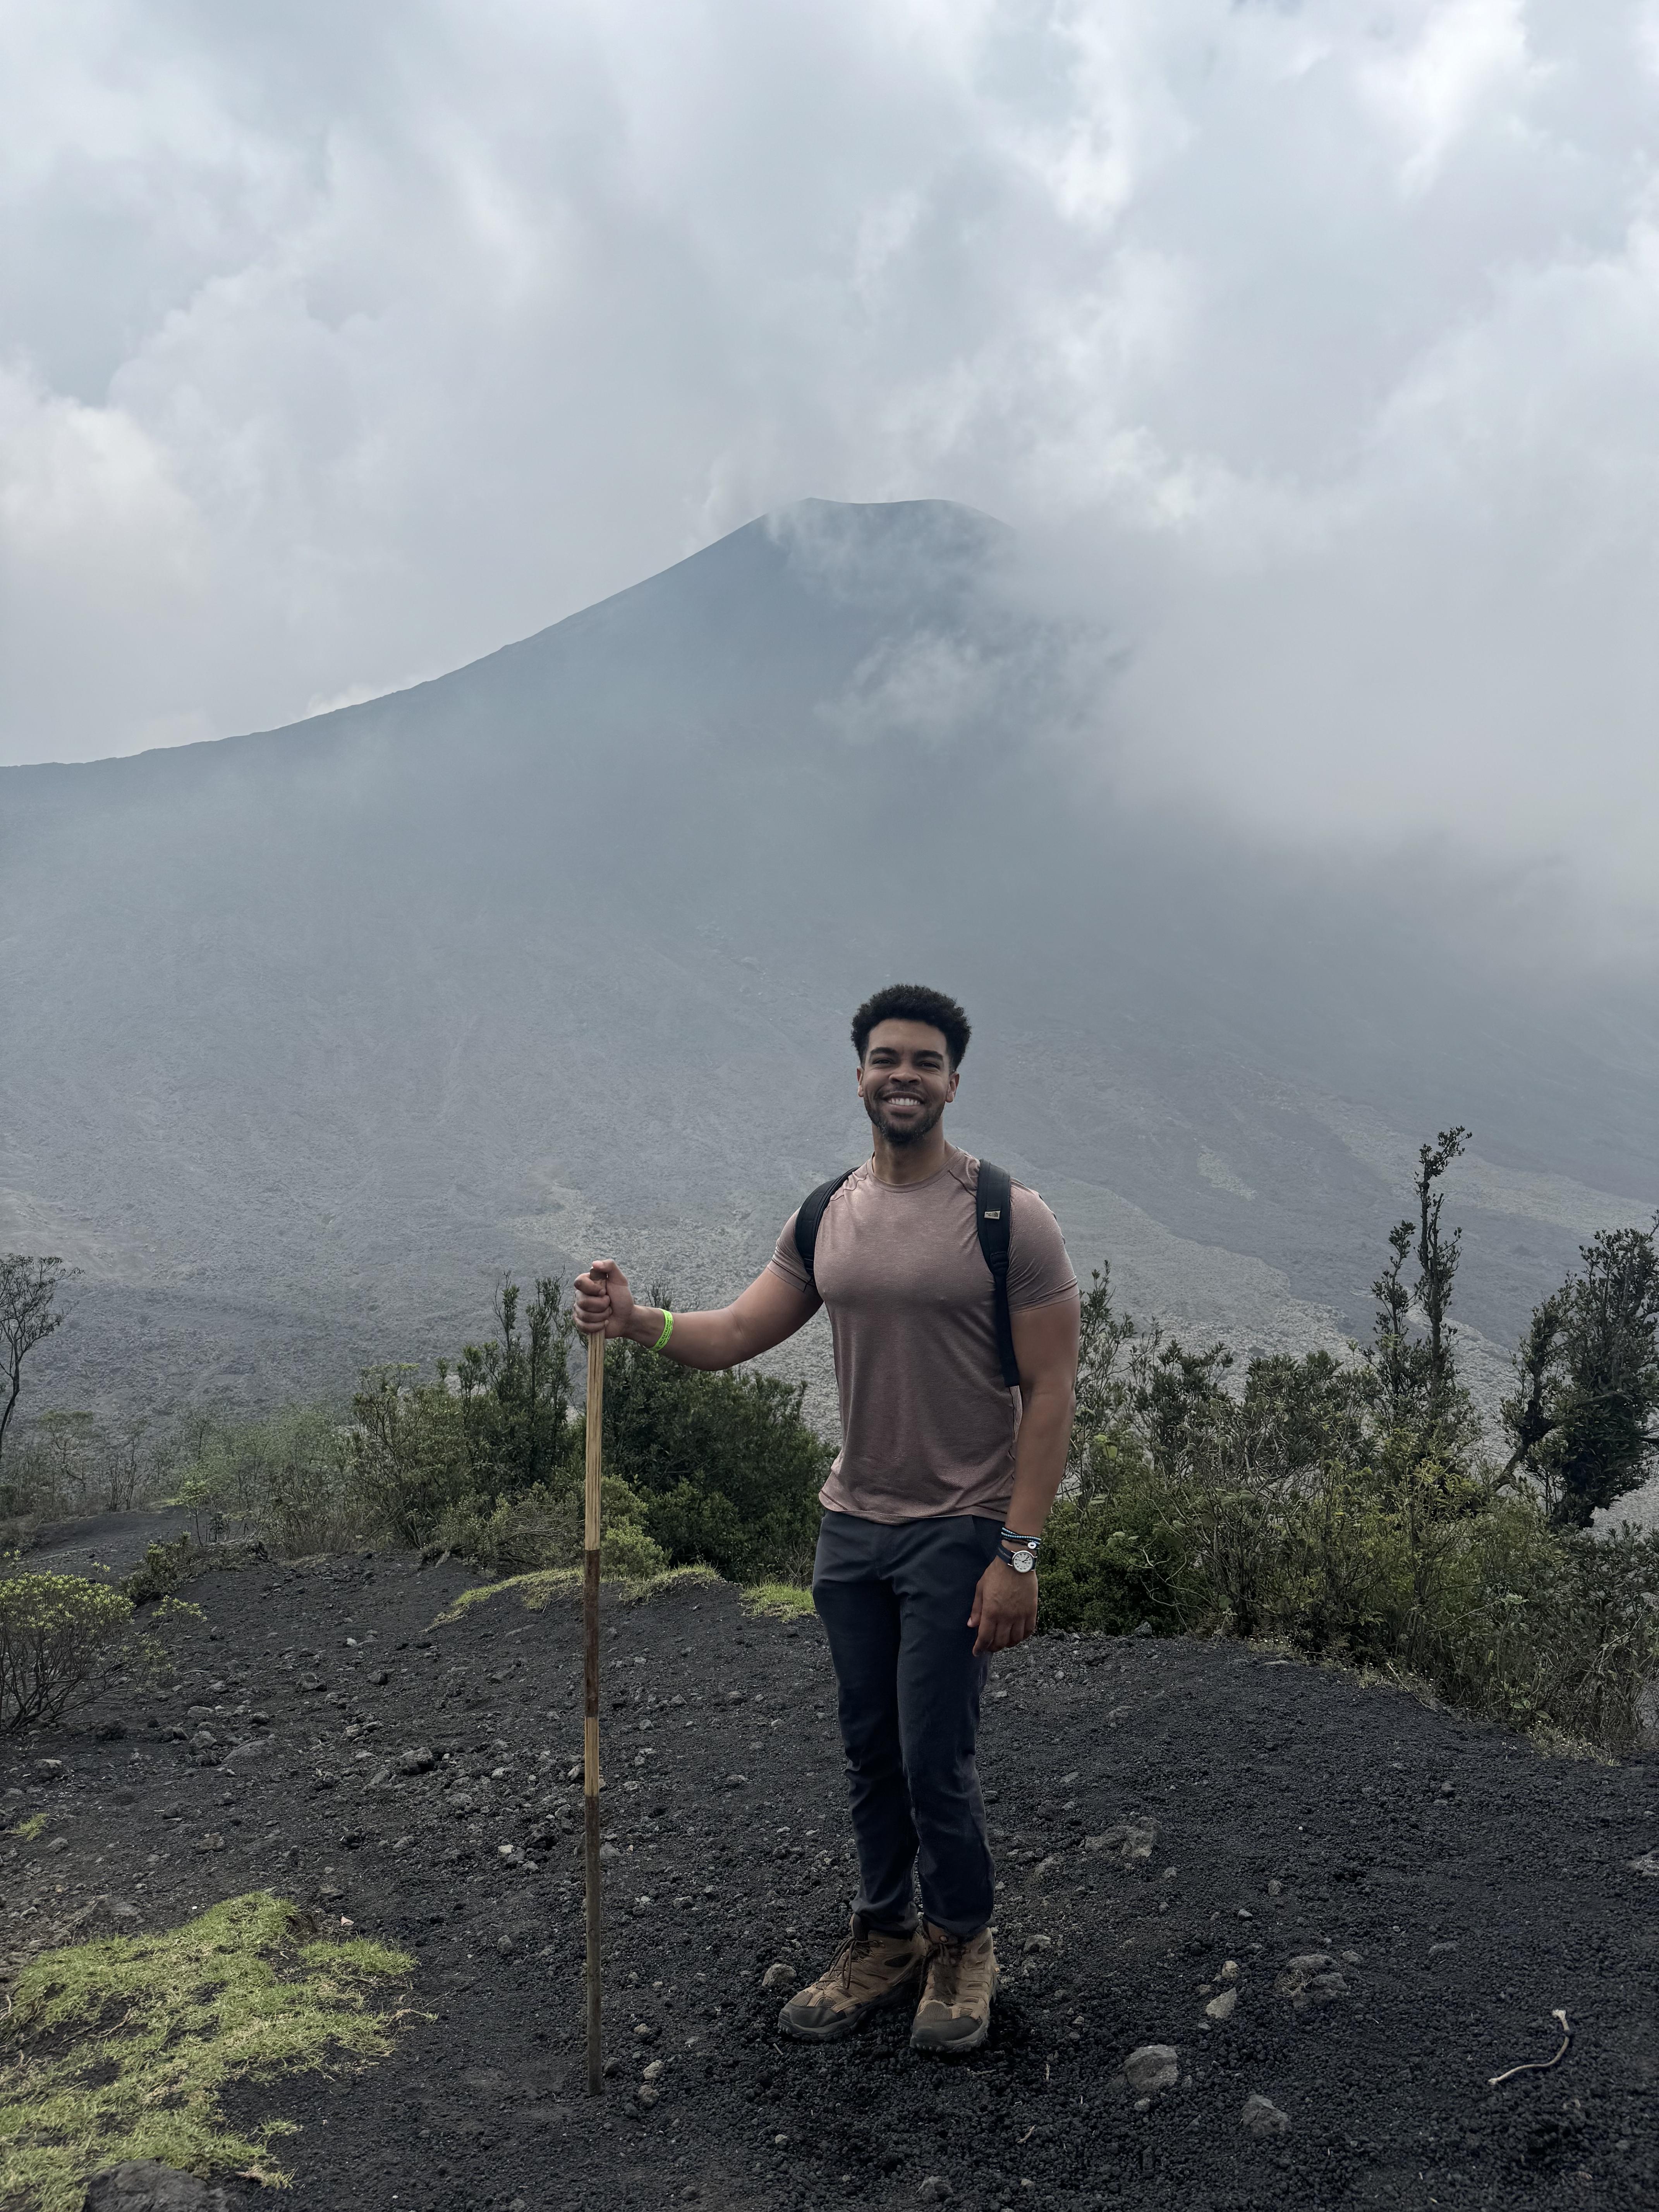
(305, 1037)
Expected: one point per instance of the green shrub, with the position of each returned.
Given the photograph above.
(167, 1566)
(727, 1465)
(1466, 1588)
(544, 1529)
(54, 1631)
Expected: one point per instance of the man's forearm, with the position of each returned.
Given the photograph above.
(1045, 1434)
(699, 1339)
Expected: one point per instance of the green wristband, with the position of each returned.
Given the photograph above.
(667, 1330)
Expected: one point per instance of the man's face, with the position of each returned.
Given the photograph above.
(906, 1080)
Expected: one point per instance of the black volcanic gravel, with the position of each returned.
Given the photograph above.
(1459, 1884)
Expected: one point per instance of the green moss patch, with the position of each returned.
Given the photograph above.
(29, 1829)
(536, 1590)
(778, 1601)
(122, 2049)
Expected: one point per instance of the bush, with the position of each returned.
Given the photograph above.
(54, 1630)
(727, 1465)
(1466, 1588)
(542, 1528)
(290, 1481)
(164, 1566)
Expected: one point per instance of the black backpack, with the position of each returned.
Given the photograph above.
(993, 1203)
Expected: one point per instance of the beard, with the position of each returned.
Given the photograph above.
(901, 1133)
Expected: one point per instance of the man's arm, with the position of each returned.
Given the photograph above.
(766, 1312)
(1005, 1607)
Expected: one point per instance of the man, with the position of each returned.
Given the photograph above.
(931, 1511)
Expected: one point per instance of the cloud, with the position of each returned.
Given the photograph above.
(1312, 346)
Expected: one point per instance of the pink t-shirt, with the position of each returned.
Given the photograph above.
(927, 1423)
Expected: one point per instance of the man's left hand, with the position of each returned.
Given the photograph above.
(1005, 1608)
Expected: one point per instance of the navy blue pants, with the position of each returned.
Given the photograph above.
(893, 1599)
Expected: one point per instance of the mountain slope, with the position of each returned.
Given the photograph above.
(308, 1034)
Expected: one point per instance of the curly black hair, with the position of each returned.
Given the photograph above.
(914, 1002)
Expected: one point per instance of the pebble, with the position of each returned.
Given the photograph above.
(58, 1844)
(1151, 2069)
(421, 1761)
(778, 1976)
(1221, 2007)
(934, 2189)
(1263, 2118)
(50, 1770)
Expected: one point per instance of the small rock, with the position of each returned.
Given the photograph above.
(738, 1781)
(647, 2092)
(1131, 1842)
(213, 1842)
(734, 1696)
(609, 1855)
(311, 1681)
(377, 1778)
(111, 1731)
(778, 1976)
(1151, 2069)
(1312, 1978)
(504, 1944)
(934, 2189)
(58, 1844)
(255, 1746)
(1648, 1863)
(1221, 2007)
(653, 2071)
(1039, 1943)
(1145, 1629)
(50, 1770)
(421, 1761)
(144, 2184)
(1262, 2117)
(644, 2031)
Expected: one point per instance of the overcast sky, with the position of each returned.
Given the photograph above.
(1314, 345)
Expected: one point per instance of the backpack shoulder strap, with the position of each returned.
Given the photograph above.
(810, 1214)
(992, 1205)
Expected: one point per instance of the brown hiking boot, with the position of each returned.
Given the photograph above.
(871, 1969)
(955, 2013)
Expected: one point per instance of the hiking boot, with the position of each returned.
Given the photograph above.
(955, 2013)
(873, 1968)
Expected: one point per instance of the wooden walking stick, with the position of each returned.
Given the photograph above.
(590, 1694)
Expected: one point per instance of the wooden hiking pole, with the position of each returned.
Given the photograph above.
(590, 1694)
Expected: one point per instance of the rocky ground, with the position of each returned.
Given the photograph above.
(1320, 1896)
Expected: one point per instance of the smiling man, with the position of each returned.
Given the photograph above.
(927, 1550)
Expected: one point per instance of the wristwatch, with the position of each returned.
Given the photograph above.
(1022, 1559)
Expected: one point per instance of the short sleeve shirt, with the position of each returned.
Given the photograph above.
(927, 1424)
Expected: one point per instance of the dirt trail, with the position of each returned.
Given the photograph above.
(1160, 1808)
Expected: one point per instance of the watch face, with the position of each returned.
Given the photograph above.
(1021, 1561)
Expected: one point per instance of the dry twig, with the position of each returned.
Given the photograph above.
(1539, 2065)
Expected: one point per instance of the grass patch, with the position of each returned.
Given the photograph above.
(777, 1600)
(29, 1829)
(120, 2049)
(536, 1590)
